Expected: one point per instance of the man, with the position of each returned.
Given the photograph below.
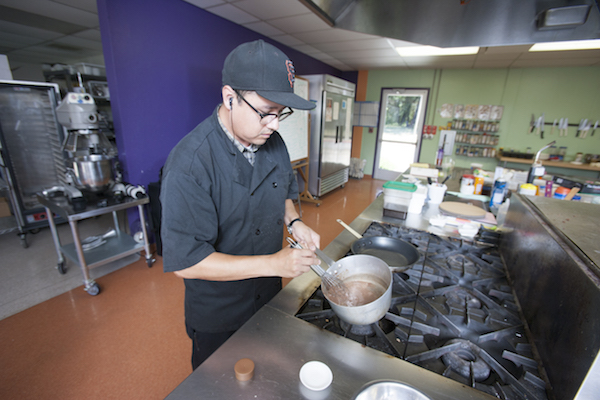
(226, 194)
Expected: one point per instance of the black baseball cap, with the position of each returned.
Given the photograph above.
(263, 68)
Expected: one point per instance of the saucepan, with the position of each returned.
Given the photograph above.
(368, 283)
(397, 253)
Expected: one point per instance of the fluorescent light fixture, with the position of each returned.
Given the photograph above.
(567, 45)
(420, 51)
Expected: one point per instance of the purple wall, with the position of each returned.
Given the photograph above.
(163, 63)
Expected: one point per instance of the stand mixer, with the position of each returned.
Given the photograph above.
(91, 157)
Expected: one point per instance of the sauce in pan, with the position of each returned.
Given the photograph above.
(360, 290)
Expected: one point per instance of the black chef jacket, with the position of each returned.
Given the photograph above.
(214, 200)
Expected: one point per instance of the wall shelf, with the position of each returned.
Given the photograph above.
(547, 163)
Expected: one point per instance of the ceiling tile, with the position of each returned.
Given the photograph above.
(90, 34)
(348, 55)
(504, 49)
(300, 23)
(287, 40)
(204, 3)
(440, 62)
(56, 11)
(498, 63)
(565, 62)
(81, 43)
(24, 30)
(17, 41)
(331, 35)
(65, 25)
(305, 48)
(232, 14)
(86, 5)
(558, 55)
(354, 45)
(269, 9)
(264, 28)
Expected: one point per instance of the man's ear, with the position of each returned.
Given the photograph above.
(228, 94)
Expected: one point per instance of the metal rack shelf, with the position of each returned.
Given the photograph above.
(116, 247)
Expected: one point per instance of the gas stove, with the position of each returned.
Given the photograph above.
(453, 312)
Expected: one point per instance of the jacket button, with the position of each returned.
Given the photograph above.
(257, 232)
(279, 221)
(258, 297)
(274, 184)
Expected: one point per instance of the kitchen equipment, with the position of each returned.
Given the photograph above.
(581, 127)
(389, 390)
(331, 132)
(316, 375)
(93, 172)
(397, 253)
(358, 287)
(369, 280)
(397, 197)
(328, 277)
(467, 184)
(90, 155)
(418, 200)
(244, 369)
(463, 210)
(498, 193)
(30, 150)
(436, 193)
(453, 312)
(532, 123)
(563, 128)
(95, 251)
(536, 169)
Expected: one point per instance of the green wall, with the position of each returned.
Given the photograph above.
(572, 93)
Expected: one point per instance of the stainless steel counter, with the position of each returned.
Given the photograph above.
(578, 221)
(279, 344)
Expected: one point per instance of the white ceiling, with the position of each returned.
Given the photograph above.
(67, 31)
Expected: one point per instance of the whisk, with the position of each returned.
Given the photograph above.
(331, 281)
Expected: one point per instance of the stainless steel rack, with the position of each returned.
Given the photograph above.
(116, 247)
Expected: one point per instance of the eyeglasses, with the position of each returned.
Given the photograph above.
(266, 119)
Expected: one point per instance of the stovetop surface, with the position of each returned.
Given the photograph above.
(453, 312)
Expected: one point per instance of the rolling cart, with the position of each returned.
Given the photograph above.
(116, 247)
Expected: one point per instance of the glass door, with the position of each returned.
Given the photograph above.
(400, 129)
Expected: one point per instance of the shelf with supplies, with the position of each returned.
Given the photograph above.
(475, 138)
(473, 150)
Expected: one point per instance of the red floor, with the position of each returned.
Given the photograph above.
(129, 342)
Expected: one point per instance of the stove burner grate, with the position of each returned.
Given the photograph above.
(453, 312)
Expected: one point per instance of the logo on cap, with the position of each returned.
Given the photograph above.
(291, 72)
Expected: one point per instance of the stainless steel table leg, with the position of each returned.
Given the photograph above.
(116, 223)
(90, 285)
(56, 239)
(149, 259)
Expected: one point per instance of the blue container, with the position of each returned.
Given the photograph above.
(498, 193)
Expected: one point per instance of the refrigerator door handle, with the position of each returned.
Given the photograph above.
(337, 132)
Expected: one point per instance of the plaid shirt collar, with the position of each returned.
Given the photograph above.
(247, 151)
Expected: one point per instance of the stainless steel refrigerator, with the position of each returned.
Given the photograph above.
(331, 132)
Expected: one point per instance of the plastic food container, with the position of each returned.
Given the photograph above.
(528, 189)
(316, 375)
(399, 189)
(418, 200)
(397, 194)
(561, 192)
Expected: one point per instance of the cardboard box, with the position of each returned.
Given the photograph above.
(4, 208)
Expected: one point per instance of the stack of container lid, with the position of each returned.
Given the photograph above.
(396, 198)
